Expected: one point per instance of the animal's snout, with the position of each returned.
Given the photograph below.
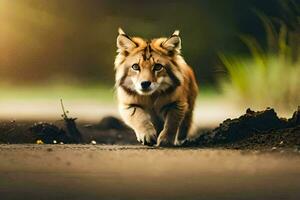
(145, 85)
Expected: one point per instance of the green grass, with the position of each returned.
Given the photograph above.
(275, 83)
(57, 91)
(268, 78)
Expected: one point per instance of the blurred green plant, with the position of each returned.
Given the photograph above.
(271, 77)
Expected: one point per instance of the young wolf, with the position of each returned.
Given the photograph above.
(156, 89)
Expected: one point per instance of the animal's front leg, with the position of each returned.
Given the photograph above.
(174, 114)
(140, 121)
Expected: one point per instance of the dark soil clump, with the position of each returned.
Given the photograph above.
(111, 130)
(48, 132)
(262, 129)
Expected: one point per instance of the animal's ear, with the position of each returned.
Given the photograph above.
(173, 43)
(124, 42)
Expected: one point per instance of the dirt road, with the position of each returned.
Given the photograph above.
(136, 172)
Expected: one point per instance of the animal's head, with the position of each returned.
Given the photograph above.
(144, 67)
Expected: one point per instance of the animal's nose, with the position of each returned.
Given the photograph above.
(145, 84)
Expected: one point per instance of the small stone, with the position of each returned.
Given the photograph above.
(281, 143)
(274, 148)
(39, 142)
(93, 142)
(61, 143)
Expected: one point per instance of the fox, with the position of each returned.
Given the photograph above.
(155, 88)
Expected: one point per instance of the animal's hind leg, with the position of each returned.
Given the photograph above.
(184, 128)
(174, 115)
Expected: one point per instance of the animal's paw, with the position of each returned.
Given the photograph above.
(165, 140)
(147, 138)
(179, 142)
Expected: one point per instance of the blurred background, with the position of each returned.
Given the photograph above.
(245, 53)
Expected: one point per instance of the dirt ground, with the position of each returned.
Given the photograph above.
(254, 156)
(139, 172)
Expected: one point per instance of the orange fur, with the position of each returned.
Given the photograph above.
(162, 112)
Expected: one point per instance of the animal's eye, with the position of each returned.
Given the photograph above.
(157, 67)
(135, 67)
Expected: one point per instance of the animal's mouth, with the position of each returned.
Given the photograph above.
(147, 91)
